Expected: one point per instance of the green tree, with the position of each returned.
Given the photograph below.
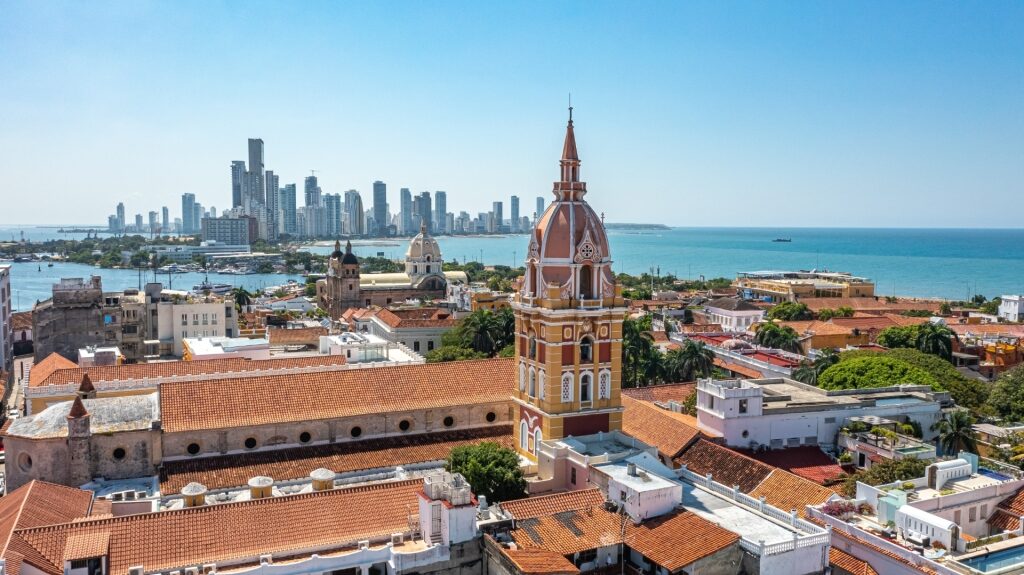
(778, 337)
(966, 392)
(790, 311)
(491, 470)
(1007, 396)
(991, 307)
(935, 339)
(945, 309)
(452, 353)
(885, 471)
(641, 361)
(898, 336)
(874, 371)
(242, 297)
(692, 360)
(956, 433)
(810, 372)
(844, 311)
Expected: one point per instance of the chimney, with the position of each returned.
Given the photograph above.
(194, 494)
(323, 479)
(86, 389)
(631, 469)
(261, 487)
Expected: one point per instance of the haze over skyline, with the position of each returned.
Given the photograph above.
(723, 114)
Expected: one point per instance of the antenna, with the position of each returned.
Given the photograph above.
(313, 172)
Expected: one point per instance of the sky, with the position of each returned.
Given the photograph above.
(819, 114)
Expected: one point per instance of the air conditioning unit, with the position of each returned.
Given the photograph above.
(209, 568)
(135, 570)
(268, 559)
(192, 571)
(364, 544)
(397, 538)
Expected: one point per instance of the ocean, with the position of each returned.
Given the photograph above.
(946, 263)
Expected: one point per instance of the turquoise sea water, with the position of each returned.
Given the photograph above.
(949, 263)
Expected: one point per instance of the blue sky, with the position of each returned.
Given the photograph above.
(687, 113)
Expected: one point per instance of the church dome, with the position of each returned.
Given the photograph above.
(346, 257)
(423, 247)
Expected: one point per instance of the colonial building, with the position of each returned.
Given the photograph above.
(424, 278)
(569, 313)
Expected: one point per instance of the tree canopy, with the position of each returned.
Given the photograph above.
(885, 471)
(778, 337)
(1007, 397)
(790, 311)
(492, 470)
(874, 371)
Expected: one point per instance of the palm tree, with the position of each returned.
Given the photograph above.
(697, 360)
(810, 372)
(778, 337)
(935, 339)
(956, 432)
(242, 297)
(641, 361)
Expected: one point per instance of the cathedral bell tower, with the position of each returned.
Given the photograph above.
(569, 315)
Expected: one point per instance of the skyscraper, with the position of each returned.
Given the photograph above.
(139, 226)
(380, 208)
(514, 214)
(441, 212)
(423, 211)
(197, 217)
(498, 217)
(540, 206)
(237, 182)
(165, 220)
(332, 205)
(354, 214)
(272, 209)
(188, 203)
(254, 177)
(312, 192)
(406, 226)
(153, 222)
(286, 207)
(120, 217)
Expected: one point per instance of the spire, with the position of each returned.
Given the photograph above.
(86, 389)
(348, 246)
(570, 157)
(423, 225)
(337, 245)
(77, 409)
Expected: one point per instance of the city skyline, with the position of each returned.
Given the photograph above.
(911, 107)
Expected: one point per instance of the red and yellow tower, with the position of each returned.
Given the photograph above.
(569, 315)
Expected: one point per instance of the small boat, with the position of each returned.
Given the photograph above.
(49, 265)
(783, 240)
(206, 286)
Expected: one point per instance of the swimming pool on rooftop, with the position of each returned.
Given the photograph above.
(1001, 561)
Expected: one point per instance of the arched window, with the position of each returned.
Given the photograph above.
(586, 387)
(604, 385)
(522, 377)
(428, 268)
(428, 258)
(536, 440)
(586, 350)
(533, 383)
(524, 435)
(532, 347)
(567, 387)
(586, 282)
(540, 377)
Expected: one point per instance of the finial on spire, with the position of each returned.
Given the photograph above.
(423, 225)
(570, 107)
(348, 246)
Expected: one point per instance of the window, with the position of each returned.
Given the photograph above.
(195, 319)
(586, 350)
(213, 319)
(25, 461)
(972, 514)
(415, 346)
(566, 388)
(743, 406)
(984, 511)
(430, 345)
(304, 437)
(449, 421)
(428, 268)
(193, 449)
(356, 431)
(404, 425)
(119, 453)
(533, 383)
(532, 353)
(572, 475)
(250, 443)
(586, 282)
(184, 319)
(956, 515)
(536, 440)
(523, 435)
(585, 384)
(206, 319)
(491, 416)
(711, 402)
(415, 269)
(588, 556)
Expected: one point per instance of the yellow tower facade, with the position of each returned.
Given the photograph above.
(569, 314)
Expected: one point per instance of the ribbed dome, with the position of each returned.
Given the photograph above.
(423, 246)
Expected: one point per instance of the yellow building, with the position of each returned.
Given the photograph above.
(569, 315)
(778, 286)
(489, 300)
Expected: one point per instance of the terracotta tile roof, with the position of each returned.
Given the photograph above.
(235, 531)
(672, 541)
(658, 336)
(742, 370)
(297, 336)
(21, 321)
(786, 491)
(843, 560)
(86, 545)
(537, 561)
(869, 304)
(677, 540)
(725, 465)
(700, 328)
(809, 462)
(664, 393)
(816, 327)
(39, 503)
(530, 507)
(1008, 512)
(296, 463)
(416, 318)
(877, 549)
(988, 329)
(51, 363)
(229, 367)
(877, 322)
(240, 402)
(670, 432)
